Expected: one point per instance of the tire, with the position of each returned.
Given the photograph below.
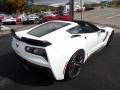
(74, 66)
(110, 39)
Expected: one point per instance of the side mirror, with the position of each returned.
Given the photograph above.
(102, 30)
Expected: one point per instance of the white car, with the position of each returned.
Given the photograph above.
(9, 20)
(32, 18)
(61, 46)
(24, 19)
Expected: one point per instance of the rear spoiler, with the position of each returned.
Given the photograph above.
(30, 41)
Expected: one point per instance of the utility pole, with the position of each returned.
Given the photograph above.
(71, 9)
(81, 4)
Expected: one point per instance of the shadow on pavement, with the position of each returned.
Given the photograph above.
(10, 68)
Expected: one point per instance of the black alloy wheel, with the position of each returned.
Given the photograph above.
(75, 65)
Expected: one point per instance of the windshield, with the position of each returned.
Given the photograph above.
(47, 28)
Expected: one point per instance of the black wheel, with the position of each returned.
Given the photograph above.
(110, 39)
(74, 66)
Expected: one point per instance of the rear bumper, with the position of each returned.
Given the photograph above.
(34, 66)
(25, 62)
(31, 58)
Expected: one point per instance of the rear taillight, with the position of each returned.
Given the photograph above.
(36, 51)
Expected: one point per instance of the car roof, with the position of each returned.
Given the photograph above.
(72, 22)
(69, 22)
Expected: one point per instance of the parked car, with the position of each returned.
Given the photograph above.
(25, 19)
(48, 16)
(33, 18)
(65, 17)
(28, 19)
(17, 17)
(9, 20)
(61, 46)
(2, 16)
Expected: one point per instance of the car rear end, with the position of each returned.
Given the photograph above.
(38, 46)
(30, 51)
(34, 54)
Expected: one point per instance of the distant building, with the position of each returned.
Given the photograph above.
(77, 6)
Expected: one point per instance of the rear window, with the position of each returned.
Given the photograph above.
(47, 28)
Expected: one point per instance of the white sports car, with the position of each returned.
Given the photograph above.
(61, 46)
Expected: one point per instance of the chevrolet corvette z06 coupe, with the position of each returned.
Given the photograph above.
(61, 46)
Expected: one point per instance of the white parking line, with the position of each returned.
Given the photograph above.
(113, 16)
(97, 16)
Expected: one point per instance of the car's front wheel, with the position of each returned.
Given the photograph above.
(74, 66)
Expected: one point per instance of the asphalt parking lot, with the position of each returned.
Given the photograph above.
(100, 72)
(107, 16)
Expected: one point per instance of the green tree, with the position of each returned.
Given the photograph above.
(12, 6)
(2, 5)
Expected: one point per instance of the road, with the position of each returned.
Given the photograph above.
(108, 16)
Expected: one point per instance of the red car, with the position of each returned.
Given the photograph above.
(2, 17)
(50, 16)
(17, 17)
(65, 17)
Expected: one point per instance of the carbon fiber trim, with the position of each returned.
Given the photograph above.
(31, 41)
